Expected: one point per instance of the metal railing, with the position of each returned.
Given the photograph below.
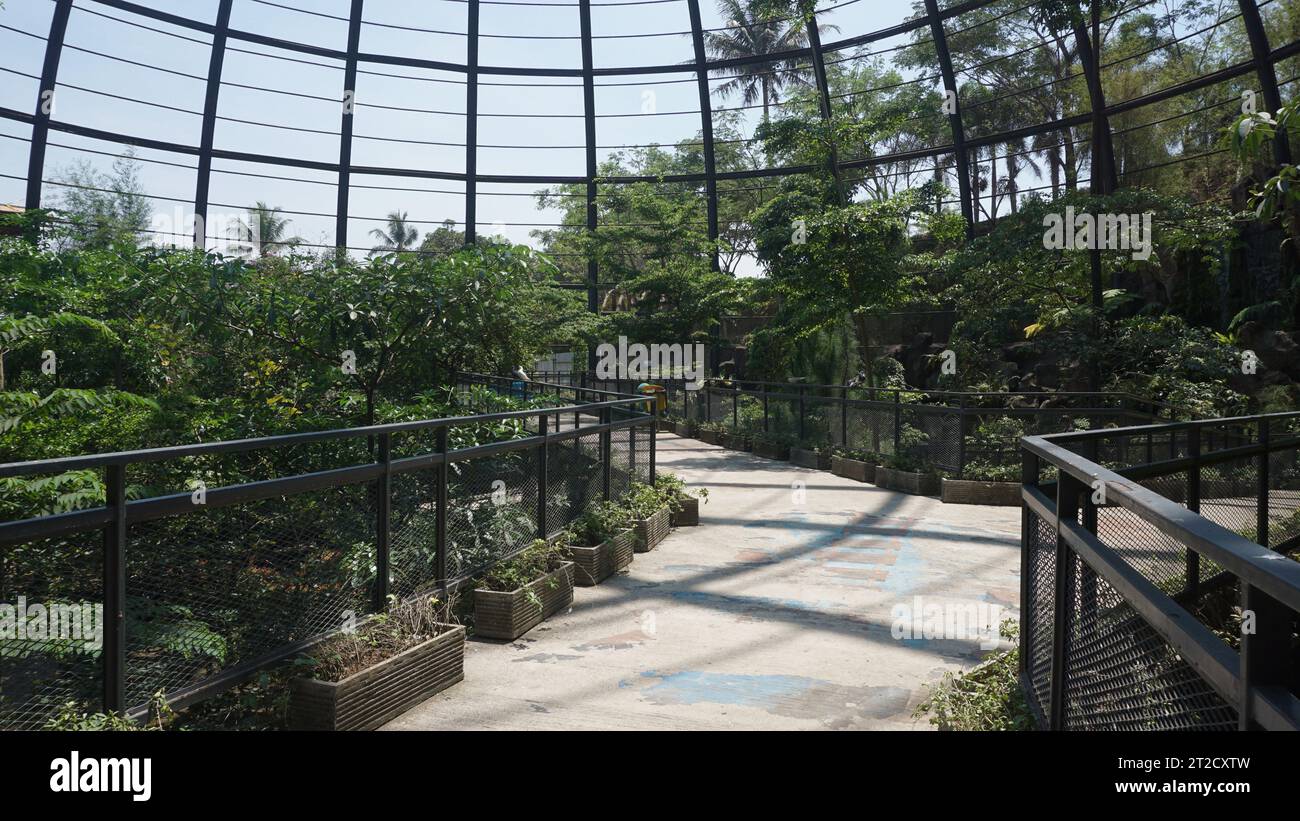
(201, 586)
(1157, 591)
(932, 428)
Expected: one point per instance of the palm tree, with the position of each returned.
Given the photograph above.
(266, 229)
(751, 35)
(399, 237)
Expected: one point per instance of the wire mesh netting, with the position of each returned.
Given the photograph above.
(54, 654)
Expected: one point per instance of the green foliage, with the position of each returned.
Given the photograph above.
(986, 698)
(530, 565)
(643, 501)
(599, 523)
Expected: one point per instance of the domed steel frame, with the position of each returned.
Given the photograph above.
(1262, 62)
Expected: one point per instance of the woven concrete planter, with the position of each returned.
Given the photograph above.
(375, 696)
(853, 469)
(651, 531)
(771, 450)
(500, 615)
(710, 437)
(917, 484)
(810, 459)
(689, 515)
(971, 492)
(735, 441)
(592, 565)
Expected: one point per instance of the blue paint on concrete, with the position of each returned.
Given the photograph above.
(695, 687)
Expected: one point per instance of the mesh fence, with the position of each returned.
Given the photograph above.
(241, 585)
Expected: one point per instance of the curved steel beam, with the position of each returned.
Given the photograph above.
(203, 177)
(45, 102)
(345, 131)
(1265, 70)
(706, 126)
(960, 157)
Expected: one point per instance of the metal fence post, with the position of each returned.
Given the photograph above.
(1028, 476)
(654, 430)
(606, 446)
(1068, 491)
(1265, 653)
(542, 427)
(765, 410)
(735, 409)
(844, 418)
(801, 413)
(1261, 510)
(1192, 582)
(440, 512)
(898, 422)
(383, 520)
(961, 437)
(115, 591)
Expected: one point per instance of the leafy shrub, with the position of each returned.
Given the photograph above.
(986, 698)
(600, 523)
(535, 561)
(381, 637)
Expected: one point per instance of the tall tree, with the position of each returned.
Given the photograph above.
(398, 235)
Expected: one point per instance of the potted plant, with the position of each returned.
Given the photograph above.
(517, 595)
(906, 474)
(815, 457)
(601, 543)
(361, 679)
(983, 483)
(711, 433)
(859, 465)
(736, 440)
(683, 502)
(651, 516)
(772, 445)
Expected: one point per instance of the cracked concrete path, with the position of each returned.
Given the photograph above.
(775, 613)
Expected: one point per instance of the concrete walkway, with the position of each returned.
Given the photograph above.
(774, 613)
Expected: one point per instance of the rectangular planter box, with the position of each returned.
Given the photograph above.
(771, 450)
(917, 484)
(853, 469)
(592, 565)
(710, 437)
(689, 515)
(735, 441)
(972, 492)
(810, 459)
(650, 532)
(500, 615)
(371, 698)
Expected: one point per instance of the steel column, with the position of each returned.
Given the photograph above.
(383, 522)
(960, 156)
(203, 177)
(706, 125)
(45, 102)
(471, 124)
(345, 130)
(824, 99)
(543, 426)
(589, 116)
(1265, 71)
(1104, 179)
(440, 512)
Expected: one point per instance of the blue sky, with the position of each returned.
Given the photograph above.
(384, 136)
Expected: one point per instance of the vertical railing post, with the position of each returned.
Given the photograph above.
(654, 435)
(708, 404)
(1068, 491)
(383, 521)
(802, 406)
(766, 410)
(898, 422)
(961, 438)
(735, 408)
(1261, 510)
(606, 456)
(440, 511)
(543, 428)
(1028, 476)
(114, 617)
(844, 417)
(1192, 582)
(1265, 652)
